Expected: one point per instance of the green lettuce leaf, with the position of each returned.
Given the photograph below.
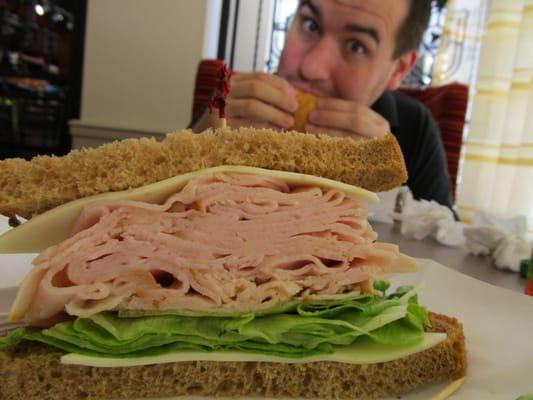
(311, 328)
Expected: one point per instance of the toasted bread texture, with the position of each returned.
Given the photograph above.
(306, 104)
(28, 188)
(33, 371)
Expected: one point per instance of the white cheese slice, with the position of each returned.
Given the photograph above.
(361, 353)
(54, 226)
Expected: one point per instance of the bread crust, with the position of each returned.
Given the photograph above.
(28, 188)
(33, 371)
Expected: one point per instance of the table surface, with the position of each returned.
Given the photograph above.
(478, 267)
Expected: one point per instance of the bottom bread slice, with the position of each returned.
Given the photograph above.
(33, 371)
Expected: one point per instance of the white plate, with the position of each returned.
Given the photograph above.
(498, 326)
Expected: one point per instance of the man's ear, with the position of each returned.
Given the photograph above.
(403, 65)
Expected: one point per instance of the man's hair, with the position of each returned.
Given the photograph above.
(413, 27)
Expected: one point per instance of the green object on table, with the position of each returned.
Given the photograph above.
(529, 276)
(524, 265)
(525, 397)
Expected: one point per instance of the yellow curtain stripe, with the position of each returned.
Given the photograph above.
(492, 93)
(503, 25)
(522, 162)
(496, 92)
(523, 69)
(507, 79)
(506, 10)
(521, 85)
(515, 11)
(496, 146)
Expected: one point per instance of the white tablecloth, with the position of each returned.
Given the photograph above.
(4, 226)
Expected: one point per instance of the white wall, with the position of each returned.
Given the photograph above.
(140, 63)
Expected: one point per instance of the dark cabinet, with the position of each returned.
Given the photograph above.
(40, 75)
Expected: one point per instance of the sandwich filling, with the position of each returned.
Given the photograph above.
(227, 243)
(231, 261)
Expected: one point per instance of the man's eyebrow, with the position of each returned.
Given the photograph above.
(373, 33)
(309, 3)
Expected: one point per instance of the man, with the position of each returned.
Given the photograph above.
(353, 54)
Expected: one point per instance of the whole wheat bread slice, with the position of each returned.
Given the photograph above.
(28, 188)
(33, 371)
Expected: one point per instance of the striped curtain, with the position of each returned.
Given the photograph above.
(497, 171)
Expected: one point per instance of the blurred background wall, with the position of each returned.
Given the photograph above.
(139, 66)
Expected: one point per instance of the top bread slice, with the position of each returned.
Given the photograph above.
(29, 188)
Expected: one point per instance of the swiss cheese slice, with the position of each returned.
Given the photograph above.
(363, 352)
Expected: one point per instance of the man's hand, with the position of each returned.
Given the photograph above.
(260, 100)
(337, 117)
(255, 99)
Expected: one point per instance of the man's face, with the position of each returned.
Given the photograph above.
(344, 48)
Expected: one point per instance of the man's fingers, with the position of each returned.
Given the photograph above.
(316, 130)
(330, 103)
(255, 110)
(272, 80)
(361, 123)
(246, 123)
(350, 116)
(265, 92)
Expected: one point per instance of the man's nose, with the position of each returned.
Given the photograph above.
(319, 60)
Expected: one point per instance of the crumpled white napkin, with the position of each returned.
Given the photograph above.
(422, 218)
(382, 211)
(504, 239)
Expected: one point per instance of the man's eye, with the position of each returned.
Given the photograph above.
(355, 46)
(310, 25)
